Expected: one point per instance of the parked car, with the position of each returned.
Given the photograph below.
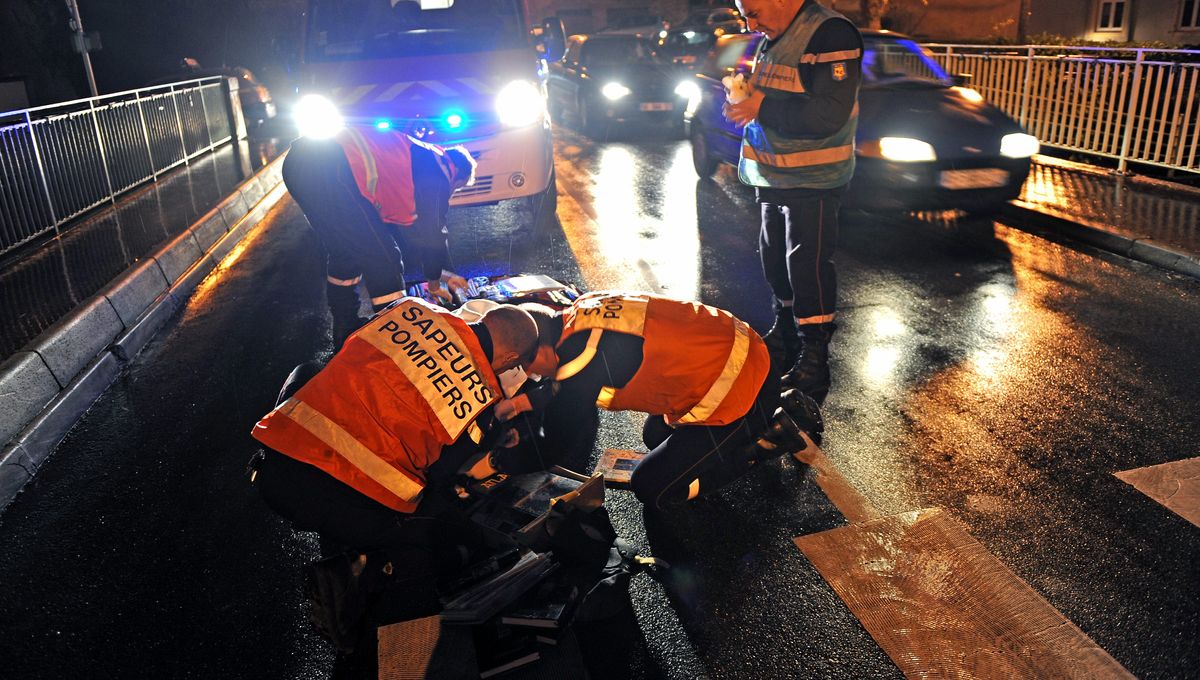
(257, 104)
(728, 19)
(607, 78)
(924, 141)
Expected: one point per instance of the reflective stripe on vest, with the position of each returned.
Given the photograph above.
(585, 357)
(361, 457)
(371, 180)
(428, 350)
(799, 159)
(778, 77)
(733, 367)
(826, 57)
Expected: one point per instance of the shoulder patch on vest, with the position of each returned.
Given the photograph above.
(839, 70)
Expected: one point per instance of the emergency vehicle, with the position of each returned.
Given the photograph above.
(450, 72)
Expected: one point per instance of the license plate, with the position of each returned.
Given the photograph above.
(656, 106)
(979, 178)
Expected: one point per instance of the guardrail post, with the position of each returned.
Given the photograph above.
(1023, 118)
(112, 198)
(37, 156)
(179, 124)
(137, 98)
(1135, 96)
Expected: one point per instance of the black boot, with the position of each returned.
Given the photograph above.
(810, 374)
(343, 306)
(797, 415)
(783, 341)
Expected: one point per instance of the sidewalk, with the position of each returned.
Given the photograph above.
(1141, 218)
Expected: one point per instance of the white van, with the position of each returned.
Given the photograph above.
(463, 72)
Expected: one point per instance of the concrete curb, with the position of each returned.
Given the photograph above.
(45, 388)
(1145, 250)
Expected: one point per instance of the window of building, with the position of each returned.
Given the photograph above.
(1190, 16)
(1111, 16)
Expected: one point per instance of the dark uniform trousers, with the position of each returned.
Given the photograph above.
(796, 243)
(711, 454)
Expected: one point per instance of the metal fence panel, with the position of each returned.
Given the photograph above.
(1137, 105)
(59, 161)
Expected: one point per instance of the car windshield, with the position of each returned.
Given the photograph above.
(378, 29)
(610, 52)
(900, 62)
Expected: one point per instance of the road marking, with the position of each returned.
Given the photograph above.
(1174, 485)
(853, 506)
(940, 605)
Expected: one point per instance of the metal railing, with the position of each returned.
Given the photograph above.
(1134, 105)
(61, 160)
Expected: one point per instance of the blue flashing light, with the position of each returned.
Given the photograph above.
(383, 124)
(454, 120)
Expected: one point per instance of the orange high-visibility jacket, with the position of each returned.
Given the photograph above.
(381, 161)
(700, 365)
(411, 381)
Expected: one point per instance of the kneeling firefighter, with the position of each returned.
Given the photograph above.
(366, 451)
(703, 375)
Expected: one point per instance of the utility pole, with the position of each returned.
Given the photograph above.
(83, 44)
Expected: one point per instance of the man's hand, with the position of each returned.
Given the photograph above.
(507, 409)
(439, 292)
(744, 112)
(454, 282)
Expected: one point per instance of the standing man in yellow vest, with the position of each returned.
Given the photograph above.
(798, 154)
(703, 376)
(364, 452)
(371, 195)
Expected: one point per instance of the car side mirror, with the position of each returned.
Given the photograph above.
(553, 38)
(961, 79)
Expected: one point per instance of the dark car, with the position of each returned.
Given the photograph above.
(605, 78)
(923, 142)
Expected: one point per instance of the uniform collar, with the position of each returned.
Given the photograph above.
(485, 338)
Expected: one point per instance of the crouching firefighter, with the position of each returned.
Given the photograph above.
(703, 376)
(375, 198)
(365, 451)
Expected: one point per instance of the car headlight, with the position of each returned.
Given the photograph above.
(969, 94)
(520, 103)
(1018, 145)
(906, 150)
(317, 117)
(614, 91)
(688, 90)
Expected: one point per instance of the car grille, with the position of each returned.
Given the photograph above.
(482, 185)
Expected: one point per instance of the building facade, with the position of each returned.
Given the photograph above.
(1170, 21)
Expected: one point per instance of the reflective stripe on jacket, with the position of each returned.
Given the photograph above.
(700, 364)
(376, 417)
(768, 158)
(381, 161)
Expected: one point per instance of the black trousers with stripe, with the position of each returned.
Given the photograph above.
(796, 244)
(699, 459)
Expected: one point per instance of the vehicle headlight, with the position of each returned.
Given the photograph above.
(1018, 145)
(906, 150)
(520, 103)
(969, 94)
(688, 90)
(317, 117)
(614, 91)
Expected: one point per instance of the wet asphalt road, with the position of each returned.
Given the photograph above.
(996, 374)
